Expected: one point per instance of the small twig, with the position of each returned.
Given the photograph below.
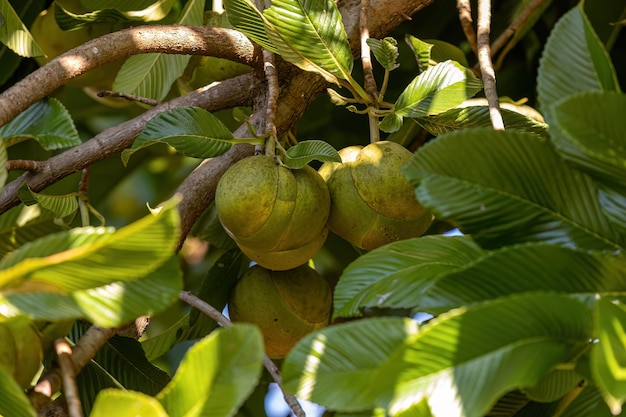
(486, 66)
(23, 165)
(86, 348)
(129, 97)
(273, 89)
(465, 16)
(83, 190)
(204, 307)
(512, 29)
(368, 71)
(70, 390)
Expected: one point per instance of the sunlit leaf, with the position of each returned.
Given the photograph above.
(14, 33)
(47, 121)
(314, 33)
(608, 357)
(119, 403)
(13, 401)
(109, 305)
(421, 50)
(71, 17)
(23, 224)
(60, 205)
(217, 374)
(335, 366)
(385, 51)
(192, 131)
(573, 60)
(306, 151)
(152, 75)
(244, 15)
(88, 257)
(456, 357)
(509, 187)
(439, 88)
(554, 385)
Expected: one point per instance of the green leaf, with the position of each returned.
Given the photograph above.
(507, 187)
(385, 51)
(152, 75)
(588, 130)
(573, 60)
(478, 116)
(192, 131)
(608, 357)
(14, 34)
(88, 257)
(71, 17)
(23, 224)
(455, 358)
(217, 374)
(554, 385)
(60, 205)
(335, 366)
(443, 51)
(398, 275)
(115, 402)
(315, 35)
(306, 151)
(13, 401)
(47, 121)
(439, 88)
(588, 403)
(421, 50)
(109, 305)
(244, 15)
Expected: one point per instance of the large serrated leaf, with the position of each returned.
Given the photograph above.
(314, 33)
(478, 116)
(13, 401)
(608, 358)
(47, 121)
(152, 75)
(192, 131)
(335, 366)
(507, 187)
(110, 305)
(573, 60)
(14, 33)
(439, 88)
(217, 374)
(244, 15)
(87, 257)
(306, 151)
(456, 357)
(421, 50)
(119, 403)
(385, 51)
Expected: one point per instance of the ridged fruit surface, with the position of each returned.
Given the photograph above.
(277, 216)
(286, 305)
(372, 203)
(20, 349)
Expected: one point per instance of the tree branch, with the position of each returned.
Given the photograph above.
(174, 39)
(465, 17)
(486, 66)
(226, 94)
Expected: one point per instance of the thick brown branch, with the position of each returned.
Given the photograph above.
(226, 94)
(185, 40)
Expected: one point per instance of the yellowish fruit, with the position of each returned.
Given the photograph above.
(286, 305)
(54, 41)
(21, 352)
(277, 216)
(372, 203)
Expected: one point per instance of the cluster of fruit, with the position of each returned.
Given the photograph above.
(280, 218)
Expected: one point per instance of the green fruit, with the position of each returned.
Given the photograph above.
(54, 41)
(286, 305)
(277, 216)
(20, 349)
(372, 203)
